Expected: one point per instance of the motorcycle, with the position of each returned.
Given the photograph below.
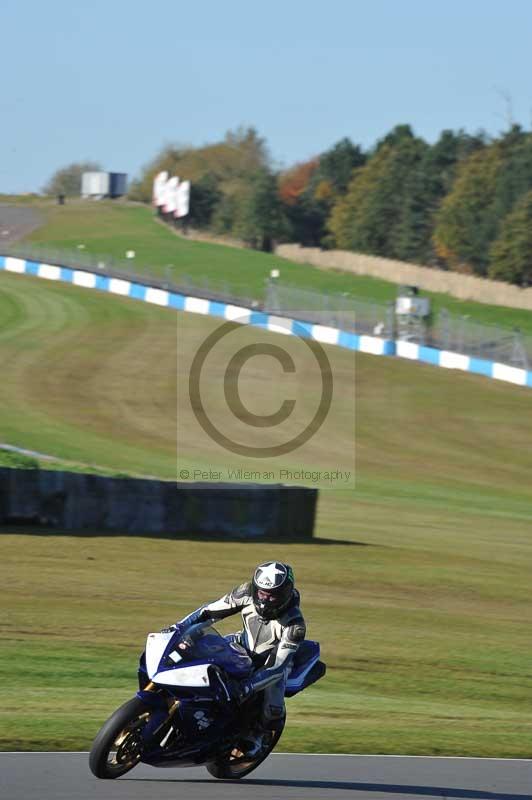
(189, 711)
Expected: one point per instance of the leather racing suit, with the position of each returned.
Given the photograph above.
(271, 643)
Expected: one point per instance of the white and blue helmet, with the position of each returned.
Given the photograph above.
(273, 588)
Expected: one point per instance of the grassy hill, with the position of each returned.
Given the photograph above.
(418, 582)
(113, 228)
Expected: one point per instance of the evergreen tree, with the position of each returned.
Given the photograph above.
(466, 222)
(337, 164)
(426, 185)
(397, 135)
(447, 203)
(205, 195)
(511, 253)
(515, 176)
(258, 217)
(309, 190)
(443, 158)
(487, 187)
(410, 236)
(382, 212)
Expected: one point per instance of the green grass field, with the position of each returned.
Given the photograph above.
(417, 584)
(113, 228)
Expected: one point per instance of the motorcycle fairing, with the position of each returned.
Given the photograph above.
(190, 670)
(164, 664)
(305, 669)
(205, 716)
(156, 646)
(228, 655)
(198, 726)
(193, 676)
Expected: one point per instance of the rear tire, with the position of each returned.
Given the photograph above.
(232, 768)
(117, 747)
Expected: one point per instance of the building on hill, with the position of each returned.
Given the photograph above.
(101, 185)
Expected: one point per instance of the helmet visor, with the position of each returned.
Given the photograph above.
(267, 597)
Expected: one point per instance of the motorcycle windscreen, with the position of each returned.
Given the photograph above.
(156, 645)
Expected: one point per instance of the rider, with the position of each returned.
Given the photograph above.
(273, 629)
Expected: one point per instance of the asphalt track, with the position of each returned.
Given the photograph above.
(66, 776)
(17, 221)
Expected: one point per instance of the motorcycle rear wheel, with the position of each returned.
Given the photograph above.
(117, 747)
(233, 767)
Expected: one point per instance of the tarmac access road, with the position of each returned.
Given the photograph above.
(66, 776)
(16, 222)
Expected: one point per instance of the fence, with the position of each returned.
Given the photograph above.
(491, 342)
(334, 310)
(446, 331)
(166, 277)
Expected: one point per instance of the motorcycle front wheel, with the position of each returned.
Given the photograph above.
(118, 746)
(235, 765)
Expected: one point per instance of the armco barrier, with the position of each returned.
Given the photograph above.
(321, 333)
(75, 502)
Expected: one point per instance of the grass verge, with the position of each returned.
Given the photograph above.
(417, 586)
(422, 659)
(114, 228)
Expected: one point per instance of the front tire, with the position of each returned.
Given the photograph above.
(118, 746)
(234, 767)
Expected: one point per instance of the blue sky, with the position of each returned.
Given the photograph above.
(114, 81)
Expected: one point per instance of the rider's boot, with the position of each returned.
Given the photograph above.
(260, 737)
(255, 741)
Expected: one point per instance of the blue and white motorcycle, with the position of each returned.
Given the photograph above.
(187, 711)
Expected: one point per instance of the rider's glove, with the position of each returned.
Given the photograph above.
(169, 629)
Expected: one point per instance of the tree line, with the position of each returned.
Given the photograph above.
(463, 203)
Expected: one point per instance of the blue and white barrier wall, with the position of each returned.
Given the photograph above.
(444, 358)
(321, 333)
